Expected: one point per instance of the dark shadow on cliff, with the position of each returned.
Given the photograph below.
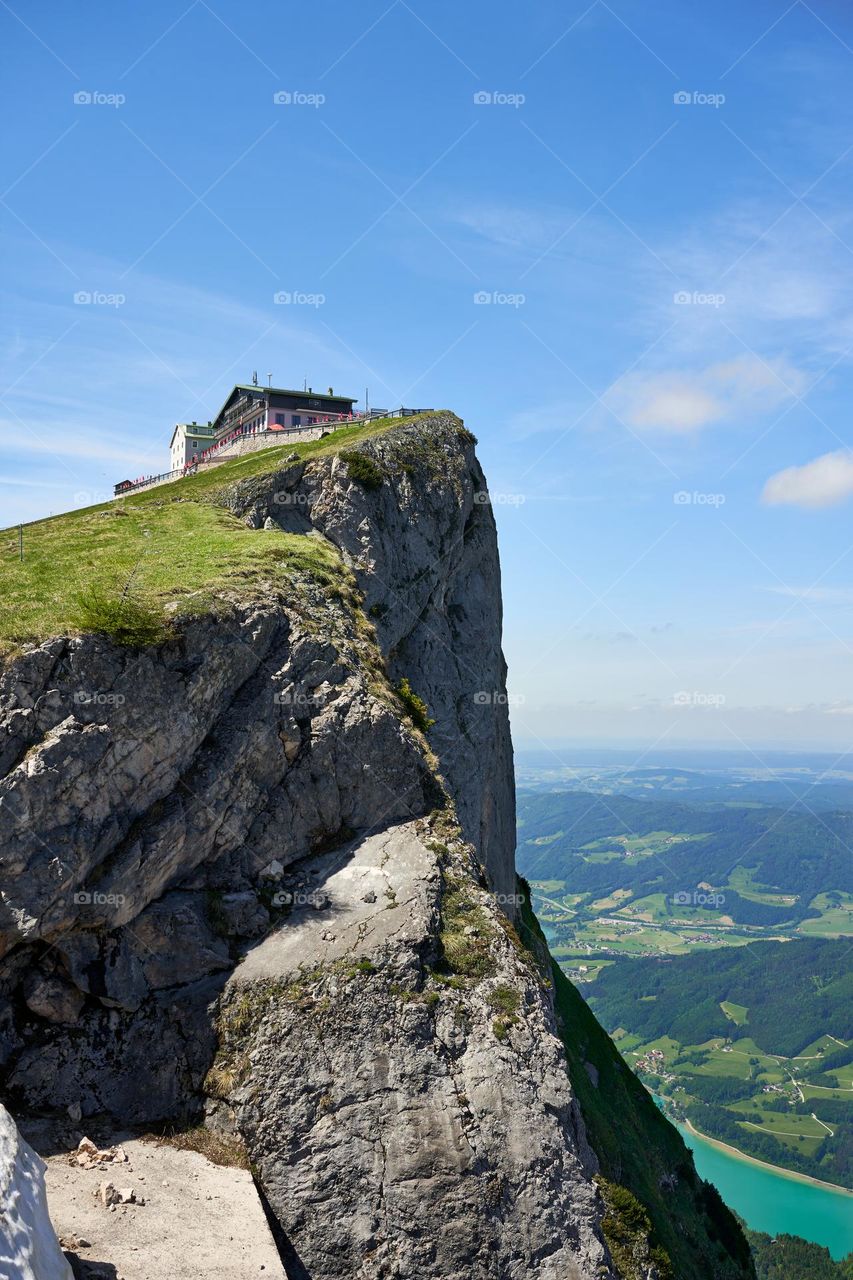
(293, 1264)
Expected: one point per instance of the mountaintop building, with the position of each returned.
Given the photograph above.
(250, 408)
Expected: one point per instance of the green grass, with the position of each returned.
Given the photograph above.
(183, 553)
(836, 918)
(416, 709)
(742, 882)
(363, 469)
(116, 567)
(736, 1012)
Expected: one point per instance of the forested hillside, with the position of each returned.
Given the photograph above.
(769, 862)
(747, 1043)
(794, 994)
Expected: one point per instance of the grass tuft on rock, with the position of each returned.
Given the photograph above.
(121, 616)
(218, 1148)
(466, 934)
(363, 469)
(416, 709)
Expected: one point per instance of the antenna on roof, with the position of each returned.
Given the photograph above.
(304, 384)
(255, 378)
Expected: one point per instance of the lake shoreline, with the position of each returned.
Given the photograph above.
(765, 1164)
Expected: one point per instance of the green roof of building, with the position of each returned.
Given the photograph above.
(287, 391)
(193, 429)
(281, 391)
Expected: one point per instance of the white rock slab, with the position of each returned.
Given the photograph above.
(29, 1249)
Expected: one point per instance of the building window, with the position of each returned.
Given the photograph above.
(279, 419)
(296, 419)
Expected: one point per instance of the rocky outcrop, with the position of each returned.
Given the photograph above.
(148, 794)
(391, 1062)
(422, 544)
(29, 1249)
(264, 872)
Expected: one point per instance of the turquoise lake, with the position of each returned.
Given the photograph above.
(770, 1202)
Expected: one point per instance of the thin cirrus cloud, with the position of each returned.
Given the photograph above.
(824, 482)
(683, 403)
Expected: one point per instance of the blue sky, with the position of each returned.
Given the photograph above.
(653, 199)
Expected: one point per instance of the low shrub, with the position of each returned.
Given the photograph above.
(417, 709)
(363, 469)
(124, 618)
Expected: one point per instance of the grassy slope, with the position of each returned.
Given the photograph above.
(637, 1146)
(175, 543)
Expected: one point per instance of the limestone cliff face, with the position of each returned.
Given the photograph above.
(237, 880)
(423, 548)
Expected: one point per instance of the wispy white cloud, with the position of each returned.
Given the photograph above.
(817, 595)
(824, 482)
(681, 403)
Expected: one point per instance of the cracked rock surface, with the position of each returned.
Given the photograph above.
(397, 1131)
(220, 888)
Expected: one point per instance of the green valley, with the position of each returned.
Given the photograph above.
(711, 939)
